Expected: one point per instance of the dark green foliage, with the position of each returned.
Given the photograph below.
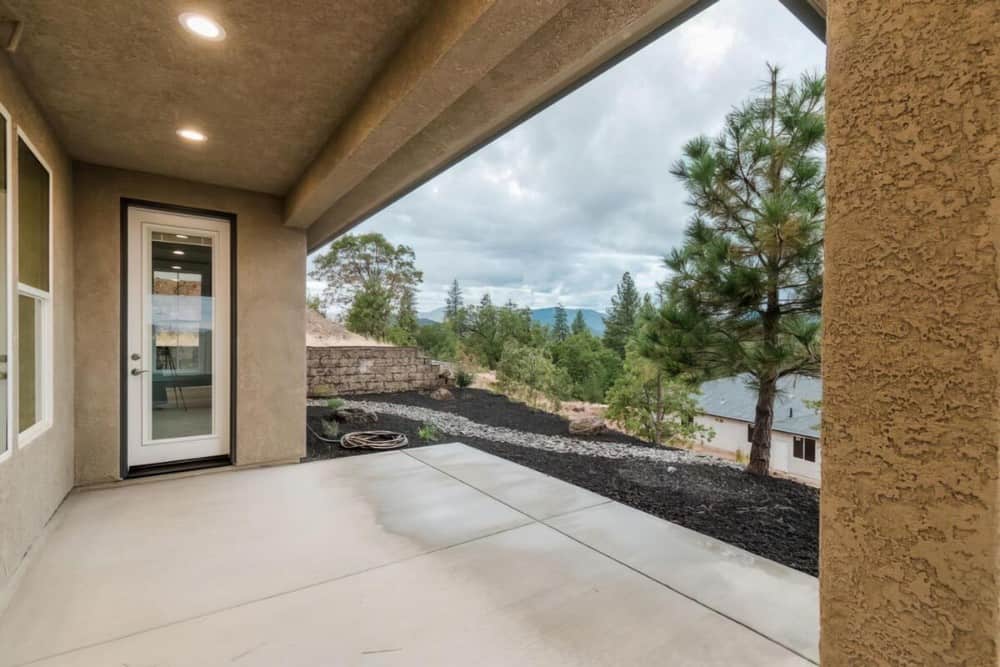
(489, 328)
(438, 341)
(746, 285)
(463, 378)
(579, 325)
(620, 324)
(560, 325)
(590, 367)
(370, 311)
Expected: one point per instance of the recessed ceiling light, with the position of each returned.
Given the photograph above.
(178, 252)
(191, 135)
(176, 268)
(201, 25)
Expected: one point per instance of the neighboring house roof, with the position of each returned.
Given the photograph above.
(733, 398)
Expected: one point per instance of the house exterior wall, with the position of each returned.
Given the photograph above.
(909, 528)
(731, 437)
(270, 316)
(36, 477)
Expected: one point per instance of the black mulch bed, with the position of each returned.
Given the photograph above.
(774, 518)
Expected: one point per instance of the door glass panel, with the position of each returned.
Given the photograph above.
(182, 317)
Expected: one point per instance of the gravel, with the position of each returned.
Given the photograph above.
(459, 426)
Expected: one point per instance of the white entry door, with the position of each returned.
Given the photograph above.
(178, 343)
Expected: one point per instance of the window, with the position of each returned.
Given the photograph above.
(749, 432)
(34, 298)
(804, 448)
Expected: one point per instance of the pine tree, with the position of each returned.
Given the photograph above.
(579, 325)
(560, 325)
(619, 325)
(454, 302)
(406, 318)
(746, 286)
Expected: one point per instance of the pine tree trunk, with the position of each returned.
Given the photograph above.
(760, 443)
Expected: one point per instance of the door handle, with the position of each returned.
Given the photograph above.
(136, 371)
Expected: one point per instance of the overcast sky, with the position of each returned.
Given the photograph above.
(558, 208)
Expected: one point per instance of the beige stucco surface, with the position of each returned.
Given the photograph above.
(911, 425)
(270, 320)
(36, 477)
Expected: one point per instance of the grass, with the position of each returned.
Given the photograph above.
(427, 432)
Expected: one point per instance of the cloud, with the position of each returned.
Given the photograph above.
(559, 207)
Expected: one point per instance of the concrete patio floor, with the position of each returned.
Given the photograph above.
(441, 555)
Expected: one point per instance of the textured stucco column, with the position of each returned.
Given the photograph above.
(911, 416)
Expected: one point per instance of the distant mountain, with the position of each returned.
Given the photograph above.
(546, 316)
(436, 315)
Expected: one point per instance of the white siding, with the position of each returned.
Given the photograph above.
(731, 436)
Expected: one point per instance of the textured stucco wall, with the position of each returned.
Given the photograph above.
(334, 371)
(270, 320)
(911, 430)
(34, 479)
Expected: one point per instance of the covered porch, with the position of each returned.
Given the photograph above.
(303, 120)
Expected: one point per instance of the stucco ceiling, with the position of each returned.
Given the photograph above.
(117, 78)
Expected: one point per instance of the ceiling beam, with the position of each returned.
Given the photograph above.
(452, 49)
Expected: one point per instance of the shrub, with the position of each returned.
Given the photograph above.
(463, 378)
(527, 372)
(427, 432)
(652, 405)
(335, 403)
(331, 430)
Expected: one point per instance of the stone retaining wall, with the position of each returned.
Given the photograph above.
(340, 371)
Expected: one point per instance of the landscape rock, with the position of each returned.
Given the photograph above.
(441, 394)
(355, 416)
(587, 426)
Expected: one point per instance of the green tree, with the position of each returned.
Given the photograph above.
(620, 323)
(652, 405)
(560, 324)
(489, 328)
(526, 372)
(438, 341)
(354, 261)
(404, 329)
(313, 302)
(579, 324)
(453, 304)
(590, 367)
(455, 314)
(746, 286)
(371, 311)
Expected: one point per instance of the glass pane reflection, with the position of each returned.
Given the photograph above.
(182, 336)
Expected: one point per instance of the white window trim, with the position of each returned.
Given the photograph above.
(45, 372)
(9, 286)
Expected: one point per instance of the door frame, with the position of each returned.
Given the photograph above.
(127, 471)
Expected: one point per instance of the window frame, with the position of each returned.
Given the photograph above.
(802, 442)
(45, 376)
(9, 426)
